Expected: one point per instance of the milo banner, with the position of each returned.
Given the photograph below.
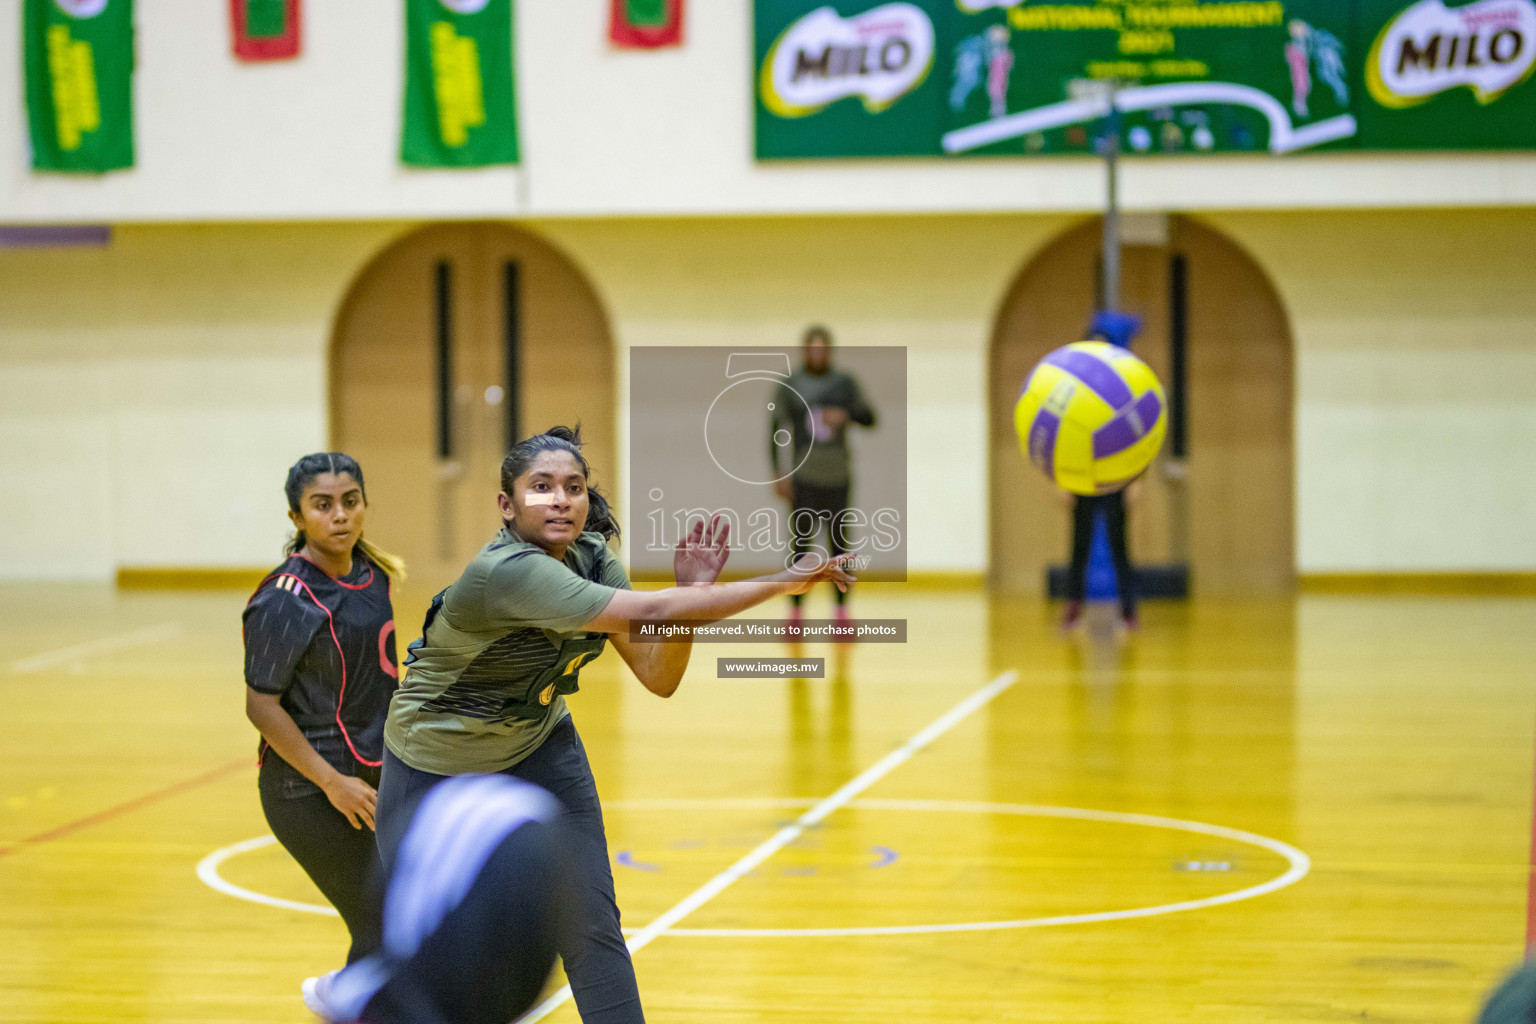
(1187, 76)
(1438, 76)
(460, 109)
(79, 83)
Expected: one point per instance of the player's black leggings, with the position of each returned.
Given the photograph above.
(592, 945)
(814, 506)
(342, 861)
(1084, 511)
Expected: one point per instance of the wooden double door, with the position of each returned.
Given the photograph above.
(1230, 517)
(452, 344)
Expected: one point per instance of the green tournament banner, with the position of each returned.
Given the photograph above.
(1213, 76)
(460, 107)
(79, 83)
(1187, 76)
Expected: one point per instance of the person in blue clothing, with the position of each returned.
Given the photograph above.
(970, 57)
(320, 668)
(1117, 329)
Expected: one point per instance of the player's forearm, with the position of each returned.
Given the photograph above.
(719, 600)
(283, 735)
(860, 412)
(699, 603)
(665, 666)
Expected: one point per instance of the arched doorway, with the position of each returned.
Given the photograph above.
(450, 342)
(1237, 535)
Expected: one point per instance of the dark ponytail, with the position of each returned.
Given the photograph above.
(600, 515)
(302, 473)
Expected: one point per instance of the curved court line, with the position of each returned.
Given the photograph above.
(811, 818)
(1299, 865)
(818, 812)
(208, 867)
(208, 872)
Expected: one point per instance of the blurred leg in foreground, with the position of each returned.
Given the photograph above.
(470, 915)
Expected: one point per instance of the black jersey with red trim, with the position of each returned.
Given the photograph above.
(326, 646)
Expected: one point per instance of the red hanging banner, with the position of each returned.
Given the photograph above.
(645, 24)
(265, 29)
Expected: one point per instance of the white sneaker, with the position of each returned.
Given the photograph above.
(315, 991)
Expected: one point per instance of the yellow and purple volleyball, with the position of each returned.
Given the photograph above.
(1092, 417)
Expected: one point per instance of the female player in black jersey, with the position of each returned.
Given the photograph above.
(319, 670)
(502, 646)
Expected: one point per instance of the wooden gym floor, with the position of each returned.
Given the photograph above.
(1388, 741)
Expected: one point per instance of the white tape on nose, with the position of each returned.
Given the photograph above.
(539, 499)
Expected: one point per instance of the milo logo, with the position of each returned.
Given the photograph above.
(1488, 46)
(879, 56)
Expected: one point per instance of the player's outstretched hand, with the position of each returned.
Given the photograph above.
(702, 552)
(354, 798)
(811, 569)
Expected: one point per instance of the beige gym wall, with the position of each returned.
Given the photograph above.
(155, 390)
(1415, 339)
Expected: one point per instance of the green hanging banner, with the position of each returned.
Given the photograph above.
(460, 107)
(988, 78)
(79, 82)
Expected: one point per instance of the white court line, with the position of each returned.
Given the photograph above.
(208, 871)
(871, 775)
(91, 648)
(724, 803)
(1299, 865)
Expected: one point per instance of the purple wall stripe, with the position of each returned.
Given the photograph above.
(1095, 373)
(42, 236)
(1042, 441)
(1128, 427)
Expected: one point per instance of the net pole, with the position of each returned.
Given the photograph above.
(1110, 299)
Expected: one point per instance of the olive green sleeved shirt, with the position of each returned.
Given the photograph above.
(819, 455)
(484, 684)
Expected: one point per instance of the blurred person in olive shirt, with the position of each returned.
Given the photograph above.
(818, 474)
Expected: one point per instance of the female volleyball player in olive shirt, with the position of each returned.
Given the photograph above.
(502, 646)
(319, 670)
